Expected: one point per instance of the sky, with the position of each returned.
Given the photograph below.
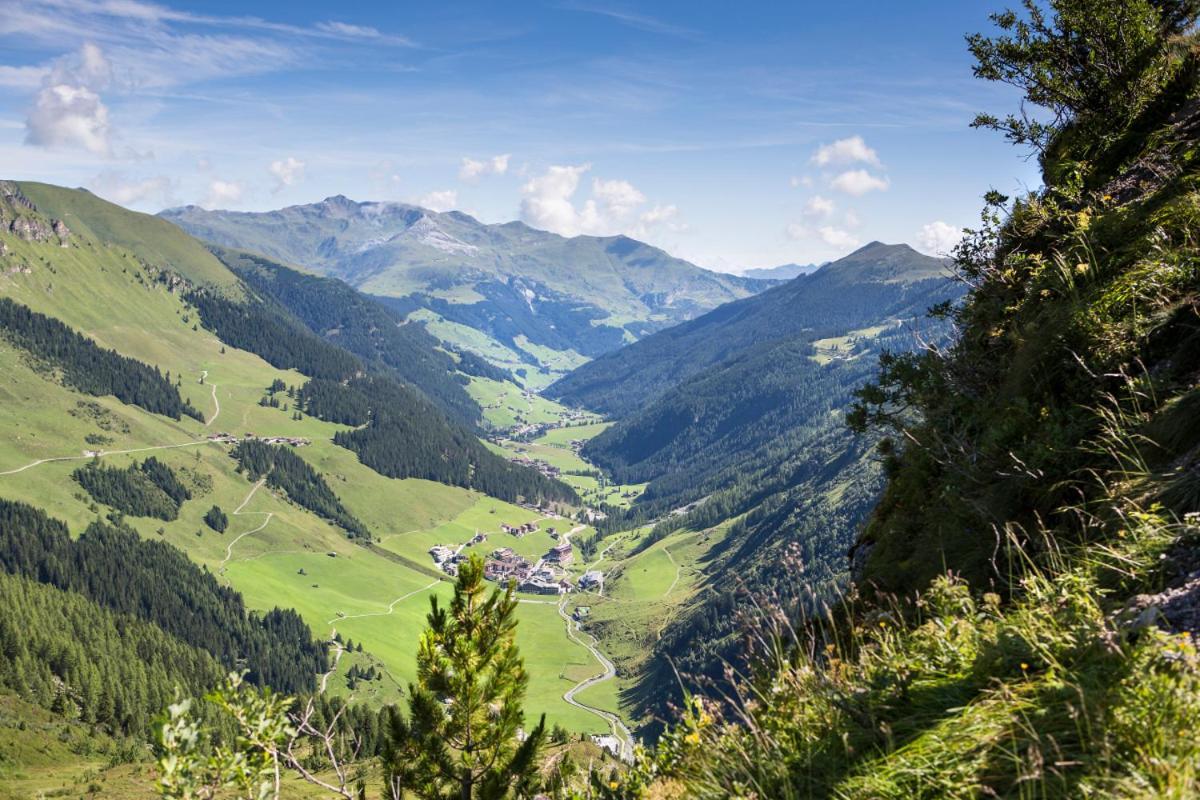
(734, 135)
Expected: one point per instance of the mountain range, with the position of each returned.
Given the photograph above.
(532, 302)
(784, 272)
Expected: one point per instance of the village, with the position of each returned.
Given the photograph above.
(548, 575)
(232, 438)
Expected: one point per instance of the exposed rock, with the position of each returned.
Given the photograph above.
(62, 232)
(31, 229)
(10, 192)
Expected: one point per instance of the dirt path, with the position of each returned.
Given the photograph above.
(240, 536)
(337, 656)
(216, 402)
(102, 454)
(678, 572)
(622, 733)
(391, 606)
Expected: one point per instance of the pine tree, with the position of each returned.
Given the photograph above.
(460, 741)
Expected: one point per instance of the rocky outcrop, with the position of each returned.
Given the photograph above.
(19, 216)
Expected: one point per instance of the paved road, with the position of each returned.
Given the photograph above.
(618, 728)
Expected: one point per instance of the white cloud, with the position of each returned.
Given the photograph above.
(472, 169)
(69, 116)
(22, 77)
(287, 171)
(122, 190)
(831, 235)
(796, 181)
(348, 30)
(836, 237)
(851, 219)
(818, 206)
(547, 201)
(616, 198)
(858, 182)
(67, 112)
(444, 200)
(939, 238)
(223, 193)
(846, 151)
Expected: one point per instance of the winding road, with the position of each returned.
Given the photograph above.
(622, 733)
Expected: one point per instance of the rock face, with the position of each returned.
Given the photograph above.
(19, 216)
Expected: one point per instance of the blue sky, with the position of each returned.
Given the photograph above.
(735, 135)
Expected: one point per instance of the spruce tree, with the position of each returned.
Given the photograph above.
(460, 741)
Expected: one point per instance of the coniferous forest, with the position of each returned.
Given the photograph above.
(111, 566)
(88, 367)
(292, 475)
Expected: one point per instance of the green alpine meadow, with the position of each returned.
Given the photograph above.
(599, 401)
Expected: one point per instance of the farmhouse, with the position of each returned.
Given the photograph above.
(560, 553)
(592, 579)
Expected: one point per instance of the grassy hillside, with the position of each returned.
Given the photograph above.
(274, 551)
(1027, 617)
(525, 299)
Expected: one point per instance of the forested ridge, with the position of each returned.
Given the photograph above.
(384, 341)
(1026, 613)
(148, 489)
(398, 442)
(86, 366)
(406, 435)
(291, 474)
(76, 657)
(157, 583)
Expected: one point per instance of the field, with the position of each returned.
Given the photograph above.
(274, 552)
(642, 593)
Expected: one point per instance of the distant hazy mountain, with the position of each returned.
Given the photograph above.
(541, 301)
(876, 282)
(784, 272)
(740, 414)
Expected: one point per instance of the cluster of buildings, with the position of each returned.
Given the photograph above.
(547, 469)
(519, 530)
(230, 438)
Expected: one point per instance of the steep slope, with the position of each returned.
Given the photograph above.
(366, 328)
(875, 283)
(745, 431)
(526, 298)
(193, 433)
(1029, 601)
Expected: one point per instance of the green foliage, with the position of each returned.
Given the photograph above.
(73, 656)
(1080, 291)
(1090, 64)
(88, 367)
(1051, 695)
(191, 767)
(216, 519)
(291, 474)
(154, 582)
(149, 489)
(460, 739)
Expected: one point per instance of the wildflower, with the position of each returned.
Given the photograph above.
(1024, 667)
(613, 784)
(1083, 219)
(1081, 268)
